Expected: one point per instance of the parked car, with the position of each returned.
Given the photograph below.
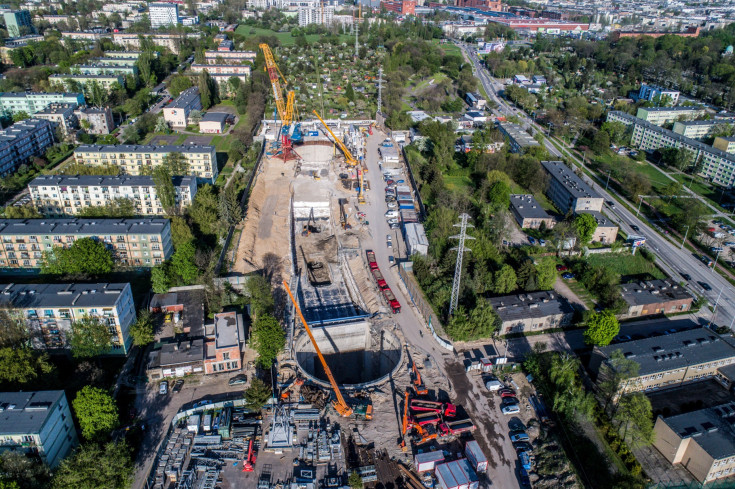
(178, 385)
(389, 244)
(568, 276)
(542, 242)
(389, 237)
(524, 479)
(391, 260)
(238, 380)
(523, 446)
(519, 437)
(393, 221)
(561, 268)
(494, 385)
(202, 403)
(163, 388)
(505, 392)
(511, 409)
(532, 240)
(509, 401)
(392, 205)
(686, 276)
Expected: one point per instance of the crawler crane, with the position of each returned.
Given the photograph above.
(290, 130)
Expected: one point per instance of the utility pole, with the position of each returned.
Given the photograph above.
(462, 237)
(685, 238)
(380, 90)
(357, 29)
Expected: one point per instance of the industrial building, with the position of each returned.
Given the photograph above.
(68, 195)
(202, 160)
(12, 103)
(39, 423)
(48, 311)
(518, 139)
(655, 297)
(138, 242)
(532, 311)
(177, 112)
(568, 191)
(22, 141)
(528, 212)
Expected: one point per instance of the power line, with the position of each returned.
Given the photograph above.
(462, 236)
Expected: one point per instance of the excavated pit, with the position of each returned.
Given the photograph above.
(357, 356)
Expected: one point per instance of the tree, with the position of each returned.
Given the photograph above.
(182, 263)
(569, 397)
(268, 339)
(229, 207)
(261, 298)
(165, 190)
(616, 370)
(355, 481)
(499, 195)
(616, 131)
(27, 211)
(634, 418)
(160, 281)
(96, 412)
(142, 329)
(585, 226)
(257, 395)
(13, 330)
(95, 467)
(207, 90)
(545, 273)
(195, 116)
(21, 365)
(180, 232)
(601, 143)
(20, 116)
(350, 92)
(26, 472)
(89, 337)
(85, 257)
(602, 327)
(204, 209)
(162, 125)
(504, 280)
(177, 163)
(178, 84)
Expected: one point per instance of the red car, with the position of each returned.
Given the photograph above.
(507, 392)
(561, 268)
(508, 395)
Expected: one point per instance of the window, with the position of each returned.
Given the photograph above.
(226, 355)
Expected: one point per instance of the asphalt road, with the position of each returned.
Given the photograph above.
(673, 259)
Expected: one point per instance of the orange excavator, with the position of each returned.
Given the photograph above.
(358, 409)
(418, 384)
(404, 426)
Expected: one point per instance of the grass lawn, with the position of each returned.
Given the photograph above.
(461, 183)
(449, 48)
(702, 188)
(285, 38)
(436, 77)
(630, 267)
(581, 292)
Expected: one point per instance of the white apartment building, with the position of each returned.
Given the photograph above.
(177, 112)
(49, 310)
(650, 92)
(163, 14)
(315, 14)
(67, 195)
(37, 422)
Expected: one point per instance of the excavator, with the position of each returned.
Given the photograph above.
(404, 425)
(418, 384)
(350, 160)
(361, 409)
(290, 131)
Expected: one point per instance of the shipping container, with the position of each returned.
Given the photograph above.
(409, 215)
(207, 423)
(456, 475)
(477, 459)
(192, 423)
(463, 466)
(425, 462)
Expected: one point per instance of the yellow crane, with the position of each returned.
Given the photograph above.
(285, 106)
(364, 409)
(349, 159)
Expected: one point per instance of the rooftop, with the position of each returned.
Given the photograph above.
(82, 226)
(678, 108)
(29, 296)
(143, 148)
(24, 413)
(228, 329)
(674, 351)
(72, 76)
(530, 305)
(527, 207)
(192, 313)
(178, 353)
(37, 94)
(653, 292)
(220, 117)
(517, 134)
(570, 180)
(56, 109)
(21, 129)
(185, 99)
(602, 221)
(711, 428)
(104, 181)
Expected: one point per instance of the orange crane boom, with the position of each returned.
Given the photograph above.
(351, 161)
(339, 404)
(404, 427)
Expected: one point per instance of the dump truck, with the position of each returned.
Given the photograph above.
(425, 418)
(456, 427)
(395, 306)
(382, 284)
(445, 409)
(372, 263)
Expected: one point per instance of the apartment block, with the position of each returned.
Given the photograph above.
(726, 144)
(655, 297)
(61, 116)
(95, 120)
(222, 80)
(533, 311)
(213, 69)
(48, 311)
(702, 441)
(12, 103)
(163, 14)
(223, 348)
(651, 92)
(114, 61)
(138, 242)
(170, 41)
(104, 81)
(67, 195)
(106, 69)
(228, 57)
(18, 23)
(39, 423)
(717, 165)
(699, 129)
(669, 360)
(177, 112)
(315, 15)
(131, 159)
(568, 191)
(518, 139)
(606, 231)
(664, 115)
(528, 213)
(22, 141)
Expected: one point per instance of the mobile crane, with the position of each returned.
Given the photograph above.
(349, 159)
(290, 131)
(418, 384)
(358, 409)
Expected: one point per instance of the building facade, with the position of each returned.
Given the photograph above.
(223, 352)
(104, 81)
(533, 311)
(528, 213)
(105, 69)
(213, 123)
(139, 242)
(699, 129)
(67, 195)
(518, 139)
(61, 117)
(18, 23)
(655, 297)
(177, 112)
(95, 120)
(202, 160)
(651, 92)
(22, 141)
(38, 423)
(163, 14)
(314, 14)
(664, 115)
(12, 103)
(213, 69)
(228, 57)
(726, 144)
(48, 311)
(403, 7)
(568, 191)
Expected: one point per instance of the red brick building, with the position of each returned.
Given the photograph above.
(654, 297)
(403, 7)
(689, 32)
(223, 348)
(487, 5)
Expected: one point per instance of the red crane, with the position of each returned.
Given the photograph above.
(249, 464)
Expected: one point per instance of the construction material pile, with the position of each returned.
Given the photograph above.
(315, 396)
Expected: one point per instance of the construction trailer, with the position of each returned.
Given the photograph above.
(457, 474)
(475, 456)
(425, 462)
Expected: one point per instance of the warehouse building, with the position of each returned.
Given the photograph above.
(532, 311)
(655, 297)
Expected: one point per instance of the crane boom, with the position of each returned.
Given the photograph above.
(348, 156)
(339, 404)
(274, 74)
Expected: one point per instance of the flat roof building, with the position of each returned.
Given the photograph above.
(726, 144)
(22, 141)
(68, 195)
(106, 82)
(38, 422)
(651, 92)
(699, 129)
(18, 23)
(98, 119)
(177, 112)
(60, 116)
(228, 57)
(663, 115)
(606, 231)
(48, 310)
(12, 103)
(669, 360)
(176, 359)
(532, 311)
(528, 212)
(223, 349)
(163, 14)
(213, 123)
(568, 191)
(135, 242)
(519, 139)
(655, 297)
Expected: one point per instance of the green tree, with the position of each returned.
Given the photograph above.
(350, 92)
(504, 280)
(165, 190)
(85, 257)
(268, 339)
(20, 365)
(203, 211)
(180, 232)
(207, 90)
(499, 195)
(20, 116)
(634, 418)
(96, 412)
(229, 206)
(616, 131)
(585, 226)
(569, 397)
(182, 263)
(27, 211)
(28, 473)
(355, 481)
(178, 84)
(96, 467)
(602, 327)
(261, 297)
(141, 330)
(257, 395)
(177, 164)
(601, 143)
(545, 273)
(616, 370)
(89, 337)
(160, 281)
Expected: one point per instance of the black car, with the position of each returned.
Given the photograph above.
(178, 385)
(705, 285)
(686, 276)
(634, 227)
(523, 446)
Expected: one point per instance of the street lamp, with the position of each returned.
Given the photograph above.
(716, 258)
(714, 309)
(685, 238)
(640, 201)
(608, 179)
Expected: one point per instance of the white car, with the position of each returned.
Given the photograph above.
(494, 385)
(511, 409)
(392, 221)
(391, 213)
(392, 205)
